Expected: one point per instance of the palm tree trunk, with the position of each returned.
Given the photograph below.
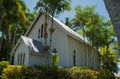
(9, 47)
(51, 32)
(83, 33)
(106, 58)
(113, 8)
(14, 38)
(51, 29)
(1, 21)
(45, 29)
(1, 41)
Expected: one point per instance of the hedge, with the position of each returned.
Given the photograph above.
(3, 65)
(47, 72)
(23, 72)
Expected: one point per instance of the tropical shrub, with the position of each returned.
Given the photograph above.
(3, 64)
(106, 74)
(79, 73)
(12, 72)
(55, 59)
(68, 73)
(19, 72)
(50, 72)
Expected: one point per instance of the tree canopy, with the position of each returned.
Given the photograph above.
(14, 17)
(98, 31)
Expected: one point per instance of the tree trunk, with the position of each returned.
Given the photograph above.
(14, 38)
(106, 58)
(51, 32)
(9, 47)
(1, 41)
(51, 29)
(113, 8)
(45, 29)
(1, 21)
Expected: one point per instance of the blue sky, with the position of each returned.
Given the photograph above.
(100, 7)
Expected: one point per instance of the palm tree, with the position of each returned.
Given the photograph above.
(68, 22)
(42, 5)
(113, 8)
(85, 17)
(53, 7)
(12, 12)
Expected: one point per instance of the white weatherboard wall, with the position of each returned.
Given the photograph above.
(60, 42)
(85, 55)
(59, 39)
(34, 32)
(37, 60)
(21, 49)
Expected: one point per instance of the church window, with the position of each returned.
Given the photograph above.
(18, 59)
(21, 59)
(12, 59)
(74, 58)
(54, 50)
(24, 58)
(42, 31)
(38, 33)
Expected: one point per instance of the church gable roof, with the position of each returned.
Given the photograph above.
(62, 26)
(33, 45)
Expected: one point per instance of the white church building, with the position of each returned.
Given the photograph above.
(70, 46)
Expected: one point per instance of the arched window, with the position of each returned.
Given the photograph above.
(74, 52)
(12, 60)
(54, 50)
(38, 33)
(18, 59)
(74, 58)
(42, 31)
(24, 58)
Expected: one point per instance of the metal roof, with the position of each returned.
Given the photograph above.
(33, 45)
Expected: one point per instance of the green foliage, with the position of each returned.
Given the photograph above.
(47, 72)
(55, 59)
(68, 22)
(67, 73)
(96, 29)
(106, 74)
(3, 65)
(53, 6)
(18, 29)
(84, 15)
(15, 16)
(81, 73)
(12, 72)
(19, 72)
(109, 59)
